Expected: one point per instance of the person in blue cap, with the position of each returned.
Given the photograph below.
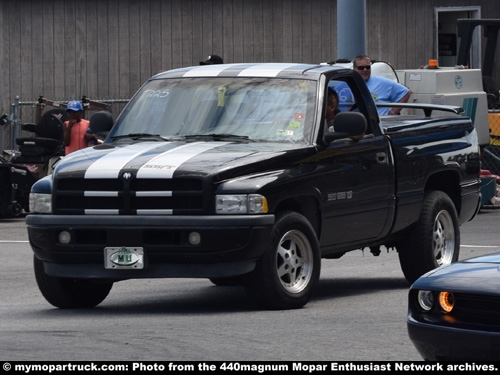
(76, 129)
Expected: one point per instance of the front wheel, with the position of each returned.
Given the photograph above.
(287, 274)
(435, 241)
(67, 293)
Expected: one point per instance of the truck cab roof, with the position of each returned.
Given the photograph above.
(279, 70)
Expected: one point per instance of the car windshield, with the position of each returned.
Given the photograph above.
(244, 109)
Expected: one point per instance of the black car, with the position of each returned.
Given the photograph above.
(454, 311)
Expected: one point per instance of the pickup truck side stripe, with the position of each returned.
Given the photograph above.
(165, 164)
(109, 166)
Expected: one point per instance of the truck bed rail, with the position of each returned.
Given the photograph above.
(427, 108)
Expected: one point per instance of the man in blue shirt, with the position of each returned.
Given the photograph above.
(383, 89)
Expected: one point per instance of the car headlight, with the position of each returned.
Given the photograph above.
(446, 301)
(425, 299)
(241, 204)
(40, 203)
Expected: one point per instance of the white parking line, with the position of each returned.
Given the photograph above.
(486, 246)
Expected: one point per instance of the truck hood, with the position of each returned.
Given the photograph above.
(169, 159)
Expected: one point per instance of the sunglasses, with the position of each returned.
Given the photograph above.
(364, 67)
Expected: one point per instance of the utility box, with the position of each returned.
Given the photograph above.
(450, 86)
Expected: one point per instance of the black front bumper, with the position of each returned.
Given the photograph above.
(230, 245)
(439, 343)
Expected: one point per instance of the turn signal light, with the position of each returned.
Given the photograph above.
(446, 301)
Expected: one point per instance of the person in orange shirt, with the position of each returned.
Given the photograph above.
(76, 133)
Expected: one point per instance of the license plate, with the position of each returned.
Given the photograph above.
(124, 258)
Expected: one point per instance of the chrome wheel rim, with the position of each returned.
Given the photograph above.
(294, 261)
(443, 238)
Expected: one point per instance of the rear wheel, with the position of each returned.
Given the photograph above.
(435, 241)
(288, 272)
(67, 293)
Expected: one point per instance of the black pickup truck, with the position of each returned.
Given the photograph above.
(230, 173)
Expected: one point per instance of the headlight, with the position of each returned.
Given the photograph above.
(40, 203)
(241, 204)
(446, 301)
(425, 299)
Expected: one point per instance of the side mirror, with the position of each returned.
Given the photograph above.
(101, 123)
(347, 125)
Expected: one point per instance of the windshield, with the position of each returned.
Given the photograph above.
(249, 109)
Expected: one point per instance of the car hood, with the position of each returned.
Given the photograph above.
(176, 159)
(469, 275)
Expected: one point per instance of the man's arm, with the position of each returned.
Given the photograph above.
(67, 132)
(404, 99)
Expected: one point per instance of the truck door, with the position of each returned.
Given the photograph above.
(358, 192)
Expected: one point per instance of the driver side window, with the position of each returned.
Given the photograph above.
(350, 98)
(344, 93)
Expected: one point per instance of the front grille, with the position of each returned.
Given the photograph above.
(477, 309)
(76, 196)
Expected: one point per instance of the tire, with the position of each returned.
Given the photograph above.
(67, 293)
(14, 209)
(287, 274)
(435, 241)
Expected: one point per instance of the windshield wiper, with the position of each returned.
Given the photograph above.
(219, 137)
(138, 136)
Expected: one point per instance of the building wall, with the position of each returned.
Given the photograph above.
(105, 49)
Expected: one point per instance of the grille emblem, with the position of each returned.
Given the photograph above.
(127, 176)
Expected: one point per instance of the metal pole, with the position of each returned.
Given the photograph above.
(14, 124)
(351, 28)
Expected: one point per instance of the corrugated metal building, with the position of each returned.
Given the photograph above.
(105, 49)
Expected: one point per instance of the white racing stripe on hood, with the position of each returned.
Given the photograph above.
(109, 166)
(164, 165)
(267, 70)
